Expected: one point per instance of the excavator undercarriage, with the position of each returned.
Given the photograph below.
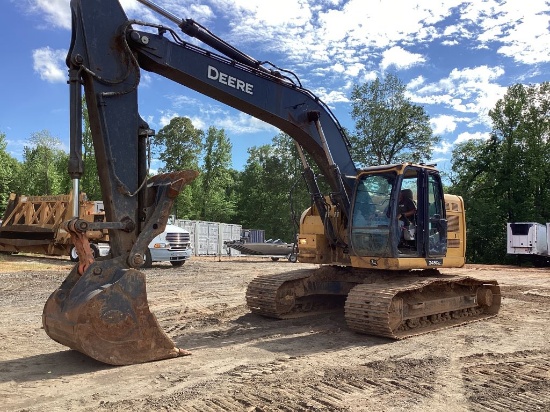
(396, 305)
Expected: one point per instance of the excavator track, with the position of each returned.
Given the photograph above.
(402, 308)
(390, 305)
(292, 294)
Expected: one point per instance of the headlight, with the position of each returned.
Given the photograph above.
(161, 245)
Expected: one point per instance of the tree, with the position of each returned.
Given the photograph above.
(218, 199)
(9, 171)
(473, 178)
(521, 129)
(256, 200)
(44, 169)
(264, 188)
(388, 127)
(179, 145)
(505, 179)
(90, 178)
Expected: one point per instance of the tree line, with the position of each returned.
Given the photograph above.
(502, 179)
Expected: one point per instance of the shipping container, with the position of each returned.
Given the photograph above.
(208, 238)
(230, 232)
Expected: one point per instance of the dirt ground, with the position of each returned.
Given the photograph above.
(243, 362)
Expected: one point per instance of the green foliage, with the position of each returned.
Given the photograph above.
(264, 188)
(505, 179)
(90, 179)
(388, 127)
(179, 145)
(44, 168)
(218, 199)
(9, 172)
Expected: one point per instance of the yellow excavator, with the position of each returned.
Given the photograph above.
(376, 259)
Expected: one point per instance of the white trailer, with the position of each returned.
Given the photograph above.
(529, 238)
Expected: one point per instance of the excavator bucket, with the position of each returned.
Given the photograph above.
(104, 314)
(101, 308)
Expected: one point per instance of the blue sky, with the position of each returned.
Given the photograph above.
(456, 57)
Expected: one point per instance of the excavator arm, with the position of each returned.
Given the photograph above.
(101, 308)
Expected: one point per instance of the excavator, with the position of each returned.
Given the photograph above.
(386, 272)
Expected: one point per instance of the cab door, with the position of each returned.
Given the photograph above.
(435, 234)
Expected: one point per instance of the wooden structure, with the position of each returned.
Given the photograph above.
(34, 224)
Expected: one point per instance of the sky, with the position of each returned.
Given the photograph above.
(457, 59)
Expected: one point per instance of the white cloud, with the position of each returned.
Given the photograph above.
(464, 137)
(444, 147)
(279, 13)
(332, 96)
(182, 9)
(165, 117)
(416, 82)
(198, 122)
(307, 28)
(470, 90)
(241, 123)
(149, 119)
(55, 12)
(312, 34)
(369, 76)
(145, 79)
(450, 42)
(400, 58)
(337, 42)
(181, 101)
(217, 115)
(50, 64)
(354, 69)
(379, 25)
(521, 27)
(443, 124)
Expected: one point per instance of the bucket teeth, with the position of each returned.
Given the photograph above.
(105, 315)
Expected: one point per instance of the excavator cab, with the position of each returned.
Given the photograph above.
(398, 214)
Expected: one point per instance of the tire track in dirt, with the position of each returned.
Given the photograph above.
(242, 362)
(527, 294)
(284, 385)
(187, 303)
(511, 382)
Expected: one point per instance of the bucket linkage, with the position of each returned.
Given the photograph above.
(101, 308)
